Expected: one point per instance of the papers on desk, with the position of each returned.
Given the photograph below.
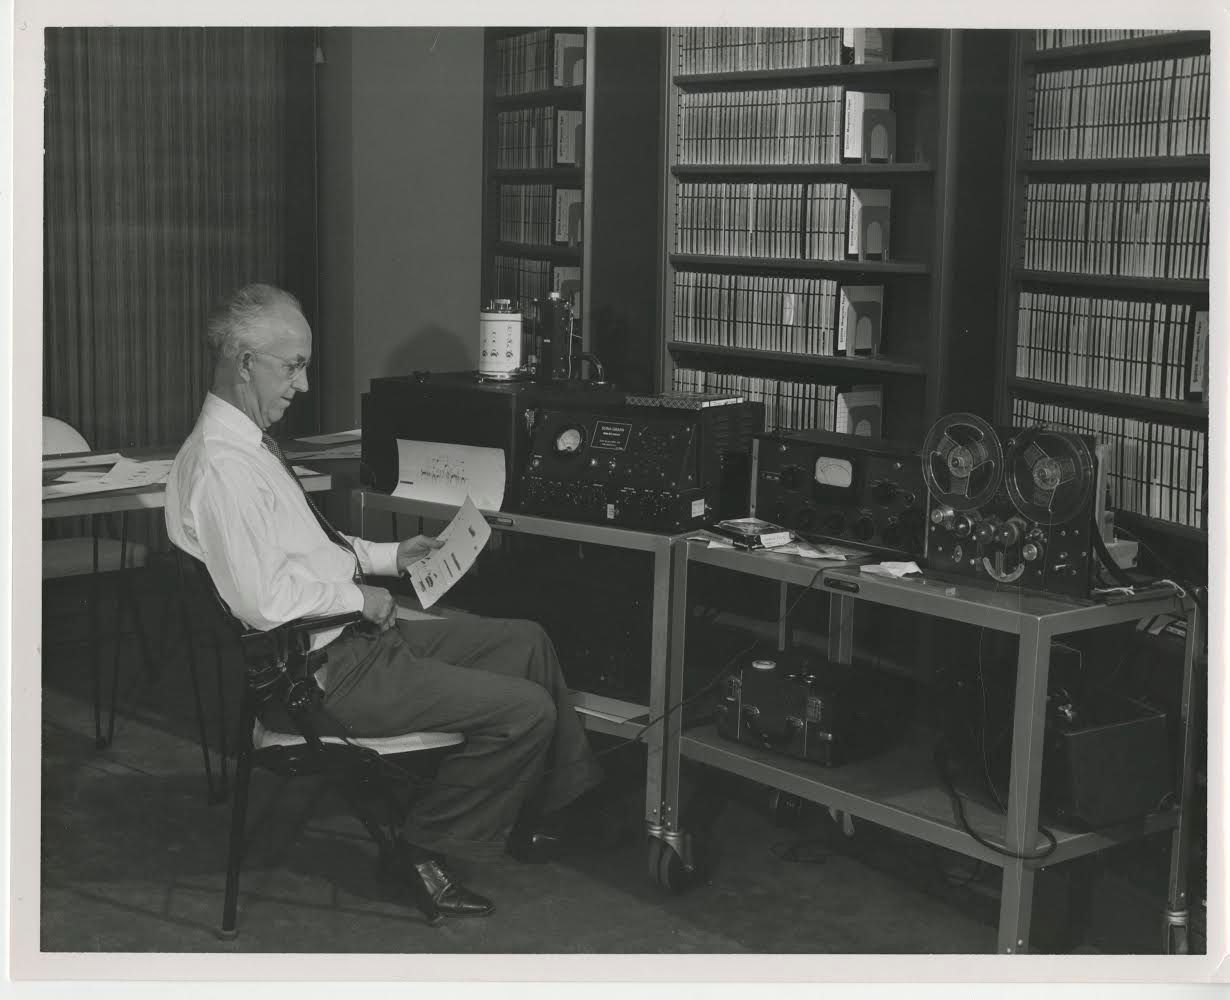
(80, 461)
(125, 474)
(336, 453)
(807, 550)
(341, 437)
(894, 569)
(464, 538)
(450, 473)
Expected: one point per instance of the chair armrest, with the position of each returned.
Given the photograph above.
(310, 625)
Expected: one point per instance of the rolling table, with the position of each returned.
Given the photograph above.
(611, 716)
(899, 788)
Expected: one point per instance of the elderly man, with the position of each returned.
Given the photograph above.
(234, 504)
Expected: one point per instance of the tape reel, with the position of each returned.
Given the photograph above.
(1049, 475)
(962, 461)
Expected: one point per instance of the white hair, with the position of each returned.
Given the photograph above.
(236, 325)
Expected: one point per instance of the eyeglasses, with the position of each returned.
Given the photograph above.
(292, 368)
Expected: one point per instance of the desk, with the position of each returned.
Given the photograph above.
(122, 502)
(899, 789)
(600, 714)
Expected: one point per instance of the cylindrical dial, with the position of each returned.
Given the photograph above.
(985, 531)
(1031, 552)
(1010, 532)
(962, 526)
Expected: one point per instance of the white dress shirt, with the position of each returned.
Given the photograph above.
(232, 505)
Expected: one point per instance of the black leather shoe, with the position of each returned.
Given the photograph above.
(451, 898)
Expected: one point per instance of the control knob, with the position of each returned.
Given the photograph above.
(985, 532)
(940, 515)
(1010, 532)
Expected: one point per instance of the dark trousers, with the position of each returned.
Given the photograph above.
(496, 681)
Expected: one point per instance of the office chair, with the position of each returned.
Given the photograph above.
(90, 555)
(275, 675)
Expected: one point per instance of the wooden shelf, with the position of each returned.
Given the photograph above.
(565, 96)
(541, 175)
(1134, 522)
(537, 250)
(812, 362)
(1187, 286)
(707, 171)
(1173, 44)
(1118, 165)
(790, 265)
(1118, 401)
(879, 72)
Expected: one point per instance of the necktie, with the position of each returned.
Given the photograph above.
(334, 535)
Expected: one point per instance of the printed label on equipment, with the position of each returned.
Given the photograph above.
(610, 512)
(698, 508)
(611, 435)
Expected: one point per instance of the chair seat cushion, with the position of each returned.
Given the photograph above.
(263, 738)
(75, 556)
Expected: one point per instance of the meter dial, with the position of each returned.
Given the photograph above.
(569, 441)
(834, 472)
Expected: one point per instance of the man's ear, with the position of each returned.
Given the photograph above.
(244, 365)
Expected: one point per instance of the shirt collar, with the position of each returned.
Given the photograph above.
(229, 421)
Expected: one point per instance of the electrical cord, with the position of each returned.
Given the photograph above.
(940, 757)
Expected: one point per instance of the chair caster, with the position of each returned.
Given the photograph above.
(224, 935)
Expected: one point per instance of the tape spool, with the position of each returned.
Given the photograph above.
(499, 341)
(763, 665)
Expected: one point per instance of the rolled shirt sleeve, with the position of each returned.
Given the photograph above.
(375, 558)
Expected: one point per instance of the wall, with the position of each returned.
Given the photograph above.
(400, 146)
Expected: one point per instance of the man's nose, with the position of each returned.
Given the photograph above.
(300, 383)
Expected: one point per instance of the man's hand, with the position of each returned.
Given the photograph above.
(378, 606)
(413, 549)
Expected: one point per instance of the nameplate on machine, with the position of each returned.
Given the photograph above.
(611, 435)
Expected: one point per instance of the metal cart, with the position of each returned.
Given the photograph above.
(899, 789)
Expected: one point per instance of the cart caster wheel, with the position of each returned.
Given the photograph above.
(666, 867)
(786, 809)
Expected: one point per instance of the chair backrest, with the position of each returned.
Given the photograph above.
(60, 438)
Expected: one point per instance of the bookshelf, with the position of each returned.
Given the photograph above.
(557, 100)
(756, 191)
(1105, 274)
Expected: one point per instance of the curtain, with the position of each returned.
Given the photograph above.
(179, 165)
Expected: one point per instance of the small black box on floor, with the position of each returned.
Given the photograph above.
(1106, 761)
(809, 708)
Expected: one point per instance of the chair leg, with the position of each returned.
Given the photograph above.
(95, 668)
(219, 674)
(235, 848)
(213, 795)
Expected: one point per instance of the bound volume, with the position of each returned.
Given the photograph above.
(753, 533)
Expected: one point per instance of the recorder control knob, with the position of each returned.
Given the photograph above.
(1010, 532)
(962, 526)
(1031, 552)
(865, 528)
(941, 514)
(985, 532)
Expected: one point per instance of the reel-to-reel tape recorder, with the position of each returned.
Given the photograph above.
(1016, 511)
